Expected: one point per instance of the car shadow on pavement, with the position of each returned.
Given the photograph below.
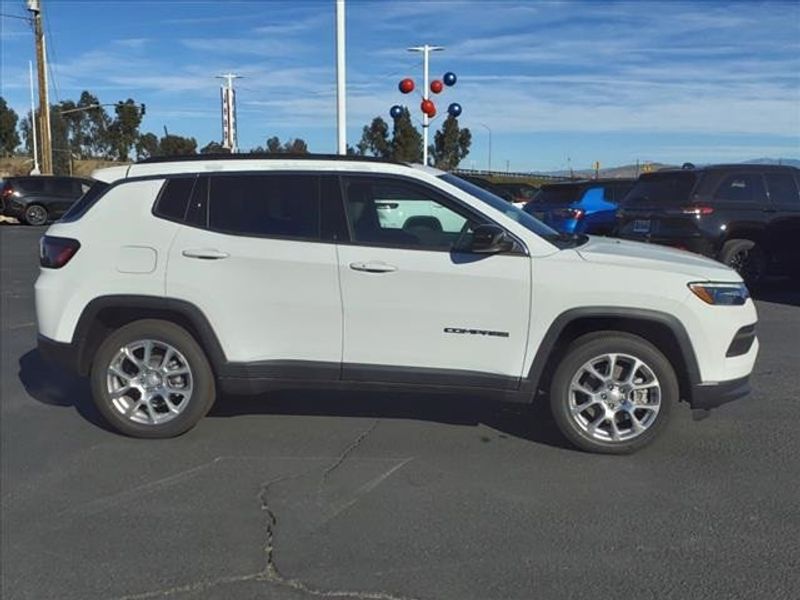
(50, 385)
(529, 422)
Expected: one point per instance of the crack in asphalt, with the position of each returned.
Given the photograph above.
(270, 573)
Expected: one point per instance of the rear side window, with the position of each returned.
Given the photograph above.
(662, 188)
(742, 187)
(559, 194)
(89, 199)
(782, 188)
(285, 206)
(174, 198)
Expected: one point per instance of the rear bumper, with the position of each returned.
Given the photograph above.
(65, 355)
(710, 395)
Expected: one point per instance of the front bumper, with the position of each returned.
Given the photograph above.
(710, 395)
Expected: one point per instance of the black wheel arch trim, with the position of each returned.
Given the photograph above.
(536, 374)
(198, 320)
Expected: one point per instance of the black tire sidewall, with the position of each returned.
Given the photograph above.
(203, 393)
(587, 347)
(733, 247)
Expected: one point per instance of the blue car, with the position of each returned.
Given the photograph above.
(586, 206)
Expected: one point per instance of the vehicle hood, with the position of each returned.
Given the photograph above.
(653, 257)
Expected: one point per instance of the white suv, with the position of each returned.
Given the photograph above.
(172, 279)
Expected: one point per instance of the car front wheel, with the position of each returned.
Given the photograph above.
(151, 379)
(612, 392)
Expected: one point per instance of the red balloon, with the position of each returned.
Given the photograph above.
(406, 85)
(436, 86)
(428, 107)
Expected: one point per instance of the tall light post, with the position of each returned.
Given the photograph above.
(230, 139)
(486, 127)
(35, 8)
(426, 50)
(341, 90)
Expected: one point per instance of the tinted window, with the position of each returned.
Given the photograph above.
(334, 224)
(89, 199)
(31, 184)
(782, 188)
(174, 198)
(197, 213)
(662, 188)
(398, 213)
(743, 187)
(265, 205)
(615, 192)
(559, 194)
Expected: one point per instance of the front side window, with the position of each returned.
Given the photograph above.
(274, 205)
(397, 213)
(742, 187)
(782, 188)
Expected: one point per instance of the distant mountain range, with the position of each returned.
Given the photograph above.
(634, 170)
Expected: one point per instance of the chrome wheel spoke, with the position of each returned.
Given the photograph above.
(156, 393)
(603, 413)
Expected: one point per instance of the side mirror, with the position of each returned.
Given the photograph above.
(490, 239)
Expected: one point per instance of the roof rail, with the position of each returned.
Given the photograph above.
(266, 156)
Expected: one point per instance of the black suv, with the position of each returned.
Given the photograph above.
(37, 199)
(746, 216)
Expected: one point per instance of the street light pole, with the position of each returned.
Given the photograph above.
(426, 50)
(35, 8)
(35, 170)
(341, 90)
(490, 144)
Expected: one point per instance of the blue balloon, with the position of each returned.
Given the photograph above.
(449, 78)
(396, 111)
(454, 109)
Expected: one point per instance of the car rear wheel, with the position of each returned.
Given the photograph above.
(151, 379)
(746, 258)
(36, 214)
(612, 392)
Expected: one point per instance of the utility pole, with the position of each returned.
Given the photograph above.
(35, 170)
(229, 137)
(341, 89)
(426, 50)
(35, 8)
(490, 144)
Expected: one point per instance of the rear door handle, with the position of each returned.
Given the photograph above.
(205, 253)
(373, 267)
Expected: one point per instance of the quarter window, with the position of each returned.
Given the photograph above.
(395, 213)
(174, 198)
(744, 187)
(276, 205)
(782, 188)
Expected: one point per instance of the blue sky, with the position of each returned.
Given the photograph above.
(557, 83)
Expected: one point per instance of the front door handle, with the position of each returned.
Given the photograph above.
(205, 253)
(373, 267)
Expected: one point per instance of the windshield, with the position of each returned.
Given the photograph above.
(527, 221)
(662, 188)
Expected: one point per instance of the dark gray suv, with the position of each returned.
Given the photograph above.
(37, 199)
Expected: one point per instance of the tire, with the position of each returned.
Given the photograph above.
(586, 419)
(745, 257)
(163, 400)
(36, 214)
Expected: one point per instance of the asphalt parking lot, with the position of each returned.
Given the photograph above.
(314, 494)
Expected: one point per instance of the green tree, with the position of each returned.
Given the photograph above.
(451, 144)
(406, 140)
(124, 129)
(9, 138)
(175, 145)
(213, 147)
(274, 145)
(147, 146)
(375, 139)
(296, 146)
(94, 125)
(292, 146)
(59, 133)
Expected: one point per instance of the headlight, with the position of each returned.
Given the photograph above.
(721, 294)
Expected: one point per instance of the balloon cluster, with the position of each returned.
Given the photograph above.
(427, 106)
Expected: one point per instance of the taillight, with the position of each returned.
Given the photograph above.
(55, 252)
(570, 213)
(697, 211)
(7, 192)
